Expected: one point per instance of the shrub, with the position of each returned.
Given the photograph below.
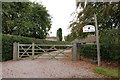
(110, 40)
(8, 40)
(88, 51)
(109, 46)
(107, 53)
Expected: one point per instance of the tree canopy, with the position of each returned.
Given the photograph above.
(25, 19)
(107, 15)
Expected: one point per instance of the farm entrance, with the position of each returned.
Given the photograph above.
(42, 51)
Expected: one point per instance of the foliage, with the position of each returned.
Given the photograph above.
(59, 34)
(69, 38)
(72, 37)
(8, 40)
(88, 51)
(26, 19)
(109, 48)
(107, 72)
(108, 16)
(110, 39)
(107, 53)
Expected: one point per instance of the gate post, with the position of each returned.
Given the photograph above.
(15, 51)
(33, 47)
(18, 53)
(74, 52)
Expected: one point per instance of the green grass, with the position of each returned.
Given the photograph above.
(107, 72)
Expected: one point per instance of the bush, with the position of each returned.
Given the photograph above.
(8, 40)
(110, 40)
(88, 51)
(108, 53)
(109, 46)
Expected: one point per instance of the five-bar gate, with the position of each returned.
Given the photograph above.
(49, 51)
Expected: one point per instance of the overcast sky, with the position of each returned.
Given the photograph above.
(61, 11)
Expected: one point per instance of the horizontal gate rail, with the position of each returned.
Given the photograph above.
(24, 50)
(53, 50)
(50, 45)
(42, 45)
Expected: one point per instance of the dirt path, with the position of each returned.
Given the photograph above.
(48, 69)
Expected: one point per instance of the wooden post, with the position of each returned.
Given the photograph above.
(74, 52)
(97, 40)
(15, 51)
(18, 51)
(33, 47)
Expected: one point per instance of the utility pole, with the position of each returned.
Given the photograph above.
(97, 40)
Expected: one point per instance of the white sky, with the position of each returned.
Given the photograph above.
(61, 11)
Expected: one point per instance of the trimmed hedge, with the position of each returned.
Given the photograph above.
(88, 51)
(109, 46)
(8, 40)
(108, 53)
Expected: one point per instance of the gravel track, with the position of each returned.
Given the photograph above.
(0, 70)
(45, 68)
(48, 69)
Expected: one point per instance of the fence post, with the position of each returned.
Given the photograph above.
(15, 51)
(33, 47)
(74, 52)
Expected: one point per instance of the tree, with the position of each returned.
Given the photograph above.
(108, 19)
(59, 34)
(25, 19)
(69, 38)
(107, 14)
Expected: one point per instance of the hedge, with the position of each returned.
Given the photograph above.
(109, 46)
(87, 51)
(108, 53)
(8, 40)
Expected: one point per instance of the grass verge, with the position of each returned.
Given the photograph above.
(107, 72)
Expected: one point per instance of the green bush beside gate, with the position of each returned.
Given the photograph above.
(8, 40)
(109, 46)
(107, 53)
(88, 51)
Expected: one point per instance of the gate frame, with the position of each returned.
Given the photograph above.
(16, 51)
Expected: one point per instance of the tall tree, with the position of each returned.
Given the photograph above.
(107, 14)
(25, 19)
(59, 34)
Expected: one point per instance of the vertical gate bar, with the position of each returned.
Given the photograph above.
(33, 47)
(18, 51)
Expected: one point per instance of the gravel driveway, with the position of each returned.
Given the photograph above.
(0, 70)
(48, 69)
(45, 68)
